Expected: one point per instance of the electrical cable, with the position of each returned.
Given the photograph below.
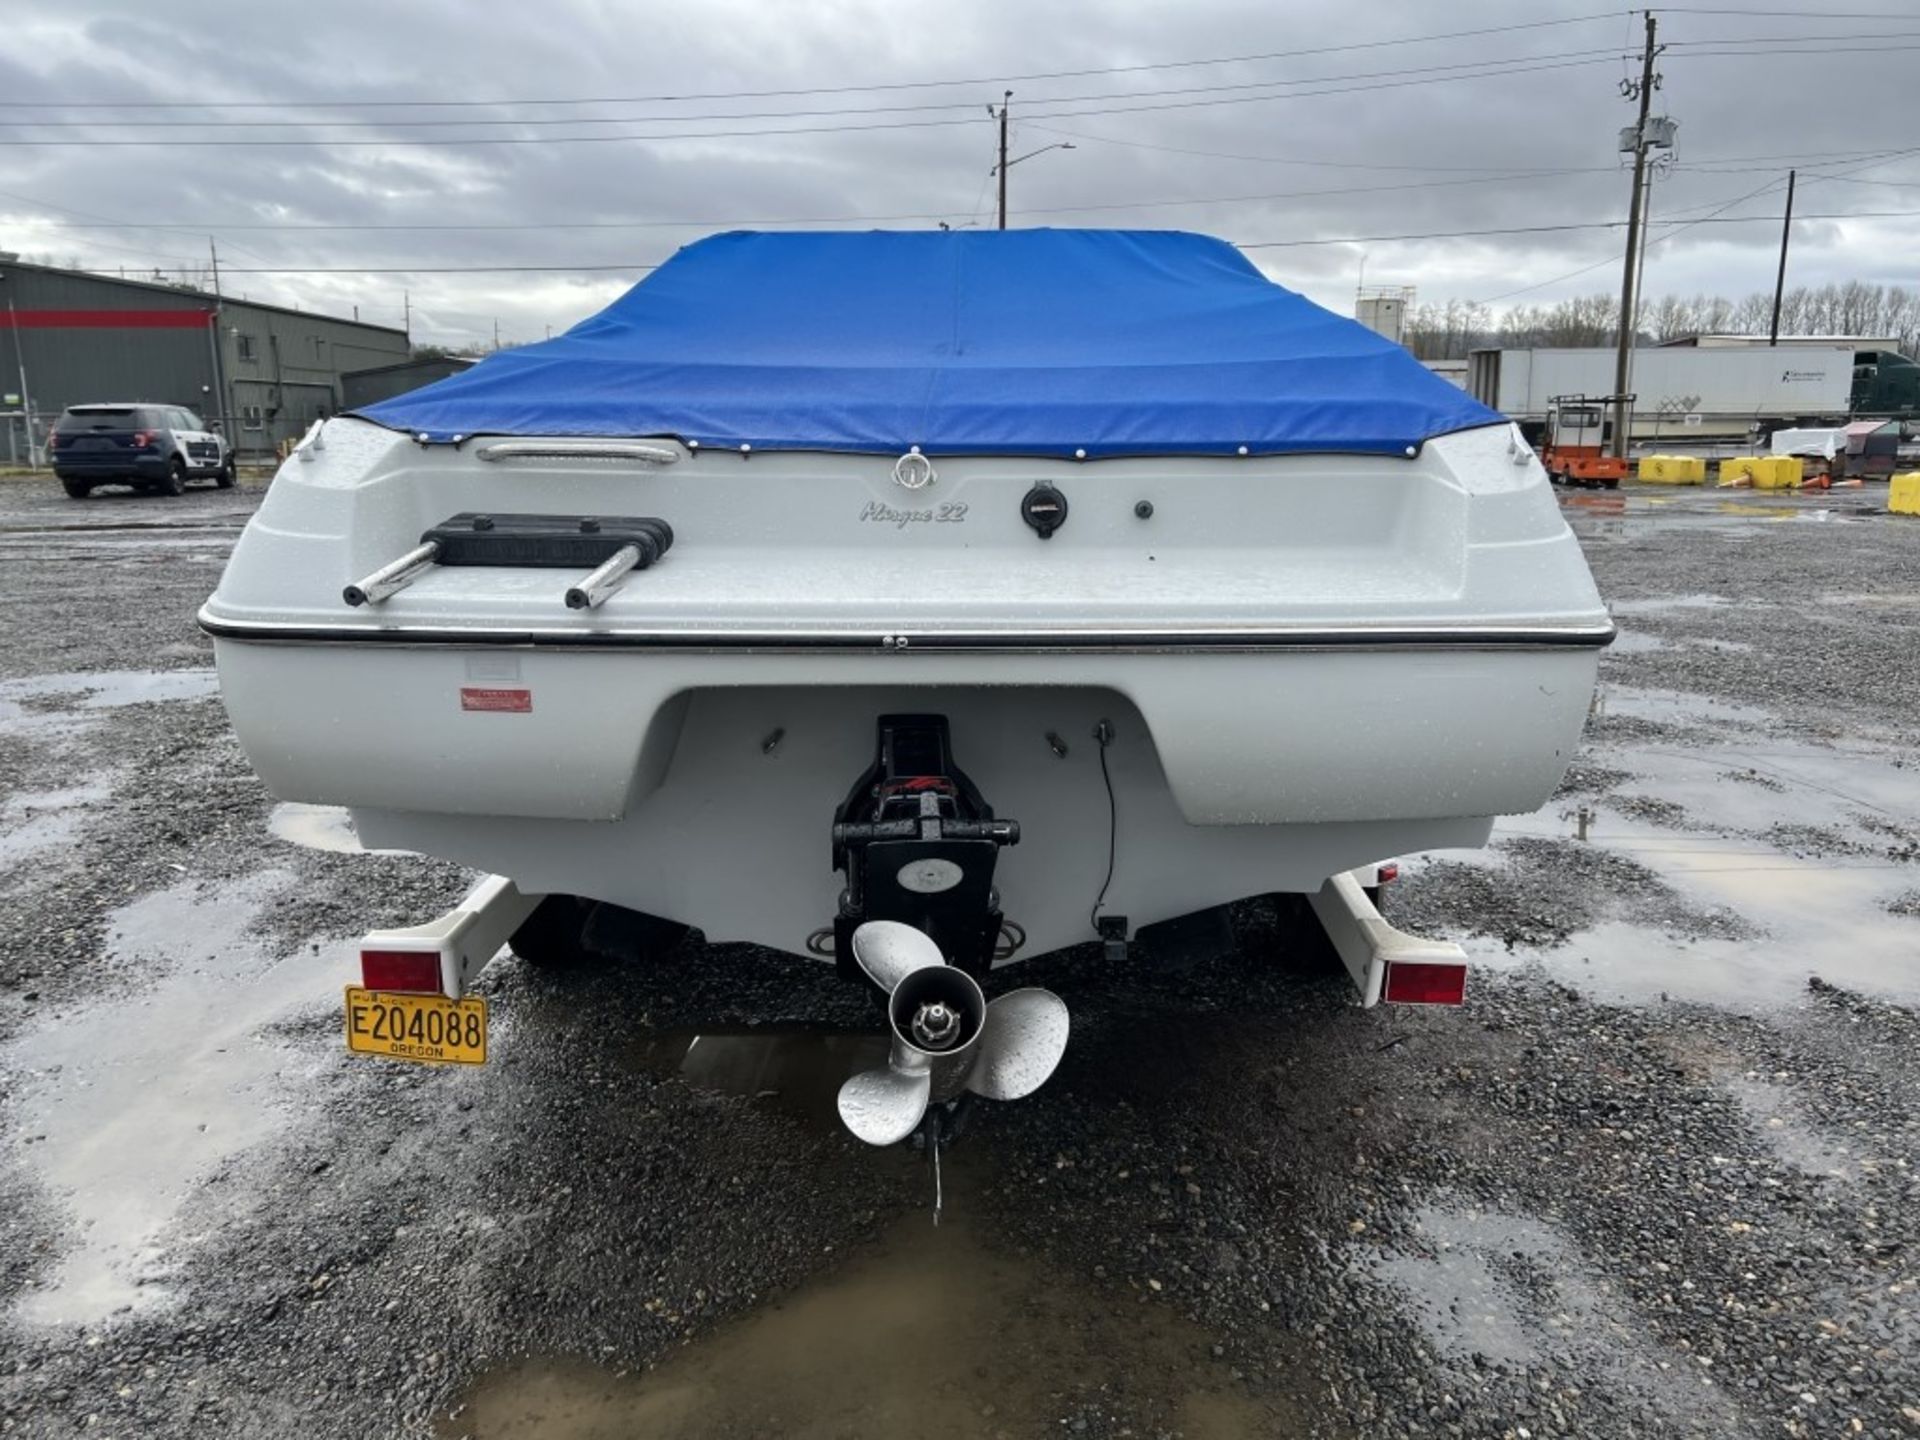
(826, 89)
(763, 222)
(1103, 736)
(638, 267)
(1476, 66)
(1784, 14)
(1616, 259)
(405, 142)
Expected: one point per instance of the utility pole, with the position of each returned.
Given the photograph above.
(26, 395)
(1623, 353)
(1780, 280)
(1002, 166)
(220, 389)
(406, 316)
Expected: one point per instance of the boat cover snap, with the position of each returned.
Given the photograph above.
(1017, 342)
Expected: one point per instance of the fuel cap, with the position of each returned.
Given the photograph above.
(1045, 509)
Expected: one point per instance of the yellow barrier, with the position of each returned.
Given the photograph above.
(1673, 470)
(1904, 497)
(1762, 472)
(1779, 472)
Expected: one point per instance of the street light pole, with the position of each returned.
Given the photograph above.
(1007, 164)
(1002, 167)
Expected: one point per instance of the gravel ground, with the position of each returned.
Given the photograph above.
(1657, 1179)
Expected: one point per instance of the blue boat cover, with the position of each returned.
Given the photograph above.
(1016, 342)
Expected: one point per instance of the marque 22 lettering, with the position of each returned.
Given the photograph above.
(953, 512)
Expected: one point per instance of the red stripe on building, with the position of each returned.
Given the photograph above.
(106, 319)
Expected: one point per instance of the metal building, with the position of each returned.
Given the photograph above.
(264, 372)
(367, 387)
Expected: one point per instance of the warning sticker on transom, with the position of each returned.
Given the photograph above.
(509, 702)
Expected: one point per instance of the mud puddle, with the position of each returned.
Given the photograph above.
(935, 1332)
(125, 1104)
(319, 827)
(796, 1070)
(1481, 1284)
(1808, 842)
(35, 821)
(49, 700)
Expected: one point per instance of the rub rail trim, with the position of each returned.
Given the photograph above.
(1458, 637)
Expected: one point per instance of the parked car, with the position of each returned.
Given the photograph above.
(150, 447)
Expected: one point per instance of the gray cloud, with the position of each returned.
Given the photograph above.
(1307, 167)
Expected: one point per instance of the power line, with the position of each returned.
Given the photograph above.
(1615, 259)
(1154, 101)
(439, 141)
(1475, 66)
(737, 224)
(1242, 245)
(1685, 225)
(1823, 38)
(1786, 14)
(1797, 50)
(1704, 165)
(823, 89)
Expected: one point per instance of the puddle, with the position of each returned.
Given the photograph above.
(1777, 1115)
(1804, 841)
(1663, 603)
(1636, 642)
(1673, 706)
(932, 1332)
(319, 827)
(40, 820)
(110, 689)
(1817, 917)
(1512, 1289)
(1495, 1285)
(95, 690)
(123, 1105)
(799, 1071)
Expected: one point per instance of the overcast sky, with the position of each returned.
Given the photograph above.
(1303, 142)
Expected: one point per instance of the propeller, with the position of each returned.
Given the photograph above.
(947, 1038)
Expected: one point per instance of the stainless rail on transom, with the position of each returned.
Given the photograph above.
(604, 581)
(638, 450)
(394, 576)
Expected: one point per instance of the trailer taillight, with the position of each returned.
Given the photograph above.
(1416, 982)
(1387, 873)
(417, 971)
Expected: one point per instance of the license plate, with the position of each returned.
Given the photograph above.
(430, 1029)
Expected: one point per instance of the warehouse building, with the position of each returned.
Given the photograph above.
(263, 372)
(360, 388)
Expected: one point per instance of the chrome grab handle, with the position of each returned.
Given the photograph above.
(394, 576)
(603, 582)
(578, 450)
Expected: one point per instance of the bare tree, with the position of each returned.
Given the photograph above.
(1451, 330)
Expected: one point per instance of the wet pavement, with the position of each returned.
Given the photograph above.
(1658, 1178)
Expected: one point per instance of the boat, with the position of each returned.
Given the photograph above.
(1024, 588)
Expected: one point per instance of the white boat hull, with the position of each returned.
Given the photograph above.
(1308, 663)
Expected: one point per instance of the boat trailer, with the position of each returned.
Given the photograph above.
(948, 1043)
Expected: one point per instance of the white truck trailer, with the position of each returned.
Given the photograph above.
(1681, 393)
